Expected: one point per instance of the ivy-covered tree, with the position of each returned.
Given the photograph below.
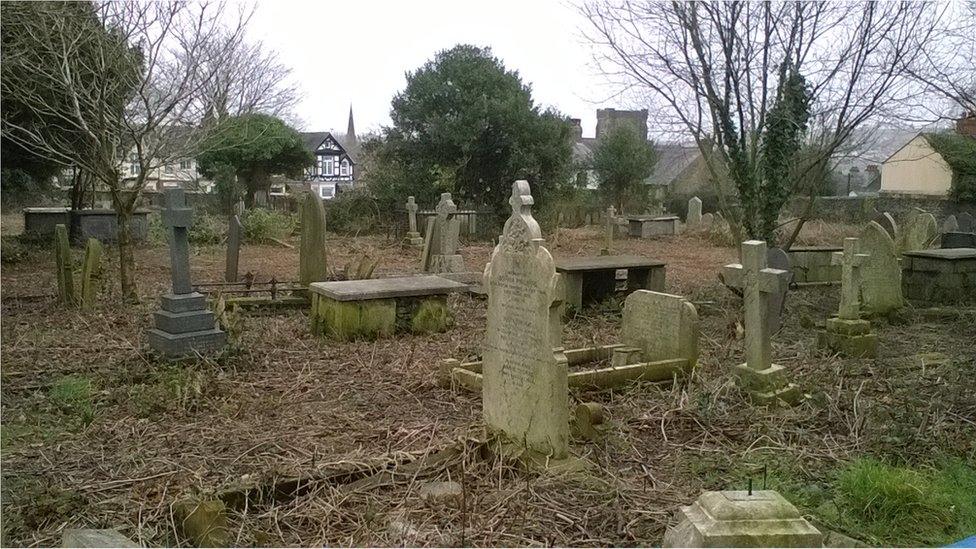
(623, 159)
(466, 124)
(256, 146)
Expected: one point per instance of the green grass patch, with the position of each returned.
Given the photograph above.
(173, 389)
(72, 395)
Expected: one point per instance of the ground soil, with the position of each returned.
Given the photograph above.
(281, 403)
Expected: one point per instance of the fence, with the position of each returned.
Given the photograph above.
(475, 225)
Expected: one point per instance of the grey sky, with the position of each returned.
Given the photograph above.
(358, 51)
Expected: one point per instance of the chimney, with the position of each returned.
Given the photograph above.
(966, 125)
(577, 128)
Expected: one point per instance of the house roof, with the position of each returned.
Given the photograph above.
(958, 151)
(672, 160)
(349, 146)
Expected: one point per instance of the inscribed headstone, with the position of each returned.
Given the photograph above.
(525, 391)
(694, 216)
(235, 233)
(663, 326)
(919, 232)
(967, 223)
(312, 260)
(881, 273)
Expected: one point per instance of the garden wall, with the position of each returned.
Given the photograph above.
(860, 209)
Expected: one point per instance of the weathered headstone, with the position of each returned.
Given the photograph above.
(707, 221)
(847, 333)
(525, 392)
(611, 227)
(967, 223)
(693, 220)
(64, 265)
(444, 235)
(235, 233)
(91, 273)
(413, 235)
(776, 258)
(887, 222)
(764, 381)
(662, 326)
(919, 232)
(753, 518)
(881, 273)
(184, 325)
(312, 260)
(950, 225)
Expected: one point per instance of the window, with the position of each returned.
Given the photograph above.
(186, 164)
(329, 167)
(168, 168)
(327, 191)
(344, 167)
(134, 167)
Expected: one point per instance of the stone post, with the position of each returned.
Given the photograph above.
(65, 267)
(235, 232)
(312, 260)
(611, 227)
(91, 273)
(693, 220)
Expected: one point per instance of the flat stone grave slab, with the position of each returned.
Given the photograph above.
(945, 276)
(644, 226)
(379, 307)
(591, 279)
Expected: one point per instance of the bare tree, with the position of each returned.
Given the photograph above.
(714, 69)
(125, 82)
(250, 79)
(949, 69)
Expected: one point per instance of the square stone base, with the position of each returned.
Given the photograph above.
(414, 239)
(851, 338)
(182, 303)
(767, 386)
(175, 345)
(740, 519)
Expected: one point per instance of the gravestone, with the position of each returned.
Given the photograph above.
(967, 223)
(707, 221)
(413, 235)
(65, 266)
(611, 224)
(881, 273)
(846, 333)
(525, 392)
(764, 381)
(662, 326)
(776, 258)
(91, 273)
(887, 222)
(312, 260)
(694, 217)
(443, 233)
(742, 518)
(235, 233)
(184, 325)
(950, 225)
(919, 232)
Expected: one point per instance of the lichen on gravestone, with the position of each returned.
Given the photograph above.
(91, 273)
(65, 267)
(312, 262)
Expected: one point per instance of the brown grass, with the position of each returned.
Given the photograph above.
(282, 403)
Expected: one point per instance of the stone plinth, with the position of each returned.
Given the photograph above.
(642, 226)
(945, 276)
(592, 279)
(185, 326)
(812, 265)
(380, 307)
(849, 337)
(41, 221)
(740, 519)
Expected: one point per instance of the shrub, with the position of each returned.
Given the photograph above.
(12, 250)
(207, 229)
(354, 212)
(262, 225)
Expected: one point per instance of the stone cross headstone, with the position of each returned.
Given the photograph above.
(693, 220)
(312, 256)
(881, 272)
(184, 325)
(762, 379)
(662, 326)
(526, 385)
(919, 232)
(850, 279)
(445, 232)
(611, 227)
(413, 236)
(967, 223)
(178, 218)
(950, 225)
(776, 301)
(235, 233)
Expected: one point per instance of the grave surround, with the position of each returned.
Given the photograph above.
(945, 276)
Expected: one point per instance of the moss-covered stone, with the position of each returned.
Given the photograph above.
(431, 316)
(65, 267)
(204, 523)
(347, 320)
(91, 273)
(858, 346)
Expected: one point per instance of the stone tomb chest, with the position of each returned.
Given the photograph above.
(379, 307)
(592, 279)
(946, 276)
(812, 264)
(643, 226)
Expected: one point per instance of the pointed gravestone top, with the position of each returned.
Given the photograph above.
(887, 222)
(967, 223)
(881, 272)
(178, 219)
(694, 212)
(525, 392)
(919, 232)
(950, 225)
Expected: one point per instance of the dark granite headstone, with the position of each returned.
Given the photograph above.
(967, 223)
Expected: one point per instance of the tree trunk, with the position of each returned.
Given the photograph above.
(127, 262)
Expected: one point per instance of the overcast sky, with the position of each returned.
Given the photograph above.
(356, 52)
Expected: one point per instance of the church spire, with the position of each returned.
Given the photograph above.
(351, 129)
